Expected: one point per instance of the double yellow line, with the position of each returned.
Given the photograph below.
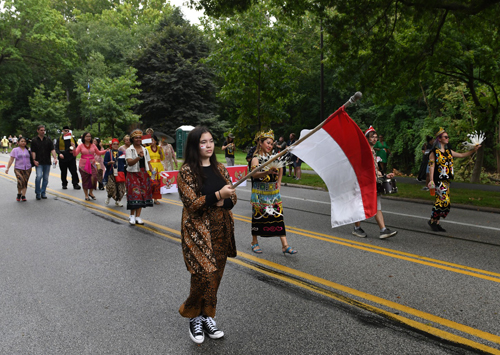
(342, 293)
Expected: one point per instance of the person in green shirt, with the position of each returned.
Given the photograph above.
(382, 151)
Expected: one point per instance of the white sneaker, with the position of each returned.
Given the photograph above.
(131, 220)
(119, 204)
(106, 201)
(138, 220)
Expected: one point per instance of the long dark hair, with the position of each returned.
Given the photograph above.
(91, 137)
(98, 141)
(192, 155)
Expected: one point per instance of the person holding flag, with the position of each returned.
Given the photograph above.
(385, 232)
(267, 208)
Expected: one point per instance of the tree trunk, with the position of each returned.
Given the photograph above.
(476, 172)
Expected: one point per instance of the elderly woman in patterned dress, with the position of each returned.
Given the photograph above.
(207, 230)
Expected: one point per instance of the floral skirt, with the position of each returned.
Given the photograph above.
(139, 193)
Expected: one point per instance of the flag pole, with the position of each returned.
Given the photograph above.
(349, 102)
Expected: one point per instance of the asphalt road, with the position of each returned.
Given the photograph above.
(75, 278)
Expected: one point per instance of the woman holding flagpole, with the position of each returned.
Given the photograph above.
(267, 209)
(207, 231)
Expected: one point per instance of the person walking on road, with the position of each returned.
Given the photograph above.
(114, 161)
(156, 154)
(229, 149)
(138, 183)
(99, 162)
(207, 231)
(22, 168)
(382, 150)
(41, 150)
(267, 208)
(169, 156)
(441, 172)
(67, 160)
(5, 145)
(385, 232)
(87, 165)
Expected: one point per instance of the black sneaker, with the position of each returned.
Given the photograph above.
(38, 197)
(359, 233)
(440, 229)
(387, 233)
(76, 187)
(44, 197)
(434, 226)
(65, 187)
(211, 329)
(196, 330)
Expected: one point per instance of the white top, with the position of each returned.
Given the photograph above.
(131, 153)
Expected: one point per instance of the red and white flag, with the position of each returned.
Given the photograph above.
(341, 156)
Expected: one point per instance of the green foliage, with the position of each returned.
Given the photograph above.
(111, 101)
(48, 107)
(177, 87)
(257, 64)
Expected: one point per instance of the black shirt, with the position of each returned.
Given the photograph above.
(42, 149)
(213, 183)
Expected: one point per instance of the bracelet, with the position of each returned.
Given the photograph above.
(220, 197)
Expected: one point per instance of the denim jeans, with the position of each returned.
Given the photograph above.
(42, 172)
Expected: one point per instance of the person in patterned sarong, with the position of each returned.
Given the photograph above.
(207, 231)
(267, 208)
(440, 175)
(138, 182)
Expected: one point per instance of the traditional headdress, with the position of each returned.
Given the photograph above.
(136, 133)
(440, 132)
(371, 129)
(114, 140)
(264, 135)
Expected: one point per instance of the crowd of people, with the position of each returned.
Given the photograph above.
(207, 194)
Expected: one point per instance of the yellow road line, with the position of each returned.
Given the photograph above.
(350, 291)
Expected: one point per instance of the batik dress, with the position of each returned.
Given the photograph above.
(267, 207)
(443, 173)
(207, 235)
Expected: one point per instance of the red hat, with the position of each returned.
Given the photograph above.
(371, 129)
(114, 140)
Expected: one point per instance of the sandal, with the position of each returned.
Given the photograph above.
(157, 202)
(92, 197)
(289, 250)
(87, 198)
(256, 249)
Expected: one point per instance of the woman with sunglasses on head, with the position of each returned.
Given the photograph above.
(440, 173)
(87, 164)
(207, 230)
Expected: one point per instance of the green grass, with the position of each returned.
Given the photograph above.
(458, 196)
(411, 191)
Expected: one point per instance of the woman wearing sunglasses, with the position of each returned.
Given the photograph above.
(440, 173)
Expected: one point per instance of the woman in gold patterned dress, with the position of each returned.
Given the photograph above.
(440, 173)
(207, 230)
(156, 154)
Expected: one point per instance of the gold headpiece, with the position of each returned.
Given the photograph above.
(136, 133)
(264, 135)
(440, 132)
